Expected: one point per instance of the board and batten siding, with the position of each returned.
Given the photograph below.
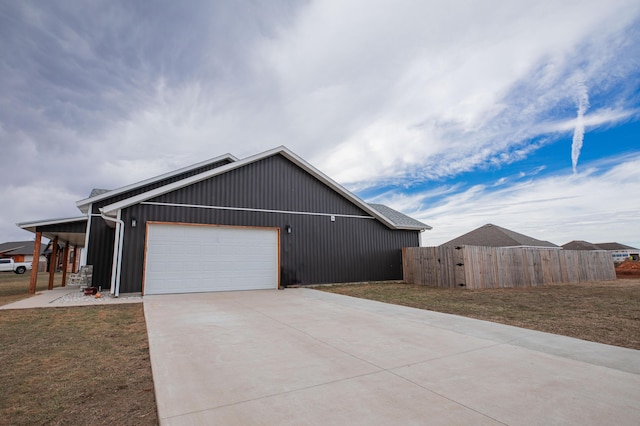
(476, 267)
(354, 247)
(100, 247)
(273, 183)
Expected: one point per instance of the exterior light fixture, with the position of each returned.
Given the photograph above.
(134, 222)
(288, 229)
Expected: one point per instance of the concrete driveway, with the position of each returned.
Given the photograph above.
(301, 356)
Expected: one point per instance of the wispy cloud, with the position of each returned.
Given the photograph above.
(457, 103)
(375, 94)
(592, 206)
(578, 133)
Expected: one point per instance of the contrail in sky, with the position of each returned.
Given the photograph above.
(578, 133)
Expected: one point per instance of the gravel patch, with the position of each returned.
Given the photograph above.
(76, 297)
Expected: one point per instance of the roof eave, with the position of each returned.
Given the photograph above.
(84, 208)
(282, 150)
(83, 205)
(32, 225)
(413, 228)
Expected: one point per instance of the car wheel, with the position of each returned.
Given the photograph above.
(21, 270)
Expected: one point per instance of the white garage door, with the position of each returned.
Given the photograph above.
(193, 259)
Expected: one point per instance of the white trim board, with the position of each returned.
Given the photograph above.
(246, 209)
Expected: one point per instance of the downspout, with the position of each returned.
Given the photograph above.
(83, 254)
(120, 246)
(116, 263)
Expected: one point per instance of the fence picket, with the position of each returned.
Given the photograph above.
(476, 267)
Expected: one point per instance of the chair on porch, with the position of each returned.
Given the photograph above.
(82, 278)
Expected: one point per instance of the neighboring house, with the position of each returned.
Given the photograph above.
(20, 251)
(619, 252)
(580, 245)
(267, 221)
(490, 235)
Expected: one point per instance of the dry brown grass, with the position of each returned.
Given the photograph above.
(14, 287)
(606, 312)
(76, 365)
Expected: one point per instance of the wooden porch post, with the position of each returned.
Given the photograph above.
(75, 259)
(65, 262)
(53, 264)
(34, 264)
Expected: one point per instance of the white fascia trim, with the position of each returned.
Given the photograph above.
(44, 222)
(247, 209)
(83, 205)
(112, 208)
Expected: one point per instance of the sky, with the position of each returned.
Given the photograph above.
(460, 113)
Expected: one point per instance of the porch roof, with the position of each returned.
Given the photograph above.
(70, 230)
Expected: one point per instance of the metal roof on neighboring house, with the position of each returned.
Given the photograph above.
(399, 219)
(490, 235)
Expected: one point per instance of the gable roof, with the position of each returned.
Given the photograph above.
(18, 247)
(614, 246)
(585, 245)
(98, 191)
(490, 235)
(580, 245)
(399, 219)
(380, 214)
(101, 194)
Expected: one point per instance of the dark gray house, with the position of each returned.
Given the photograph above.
(267, 221)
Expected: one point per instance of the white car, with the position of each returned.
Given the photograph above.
(8, 265)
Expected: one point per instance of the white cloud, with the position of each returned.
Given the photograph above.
(40, 200)
(371, 92)
(578, 133)
(591, 205)
(420, 83)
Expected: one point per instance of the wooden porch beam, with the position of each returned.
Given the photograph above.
(34, 264)
(75, 259)
(53, 263)
(65, 262)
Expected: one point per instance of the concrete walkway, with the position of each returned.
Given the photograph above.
(301, 356)
(68, 296)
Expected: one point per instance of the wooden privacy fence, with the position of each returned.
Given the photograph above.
(496, 267)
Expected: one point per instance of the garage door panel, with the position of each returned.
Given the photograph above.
(185, 259)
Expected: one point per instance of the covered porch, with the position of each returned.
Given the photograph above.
(70, 233)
